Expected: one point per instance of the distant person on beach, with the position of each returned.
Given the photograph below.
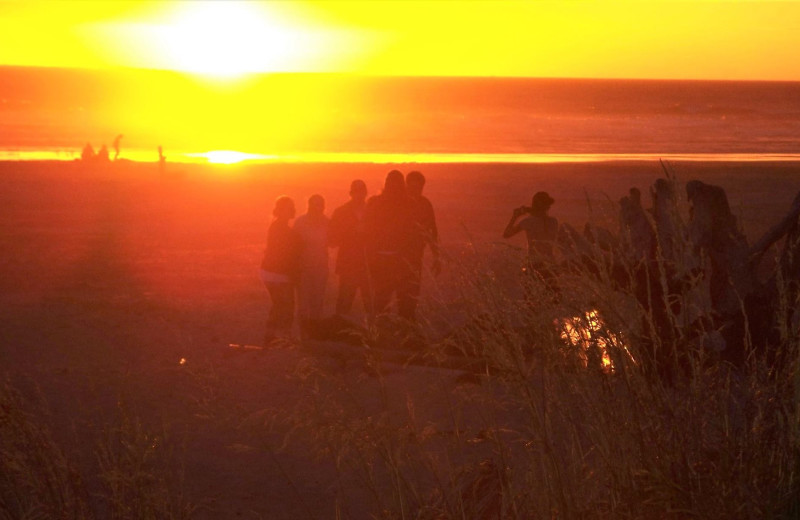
(280, 270)
(87, 154)
(162, 161)
(388, 226)
(116, 146)
(102, 155)
(312, 230)
(423, 233)
(347, 233)
(541, 231)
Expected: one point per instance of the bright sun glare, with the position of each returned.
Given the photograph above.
(228, 39)
(228, 156)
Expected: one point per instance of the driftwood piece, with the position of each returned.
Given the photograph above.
(424, 357)
(667, 274)
(668, 225)
(776, 232)
(713, 232)
(635, 228)
(790, 259)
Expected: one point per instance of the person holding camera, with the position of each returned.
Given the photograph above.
(540, 229)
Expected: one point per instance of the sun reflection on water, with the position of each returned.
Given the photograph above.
(229, 156)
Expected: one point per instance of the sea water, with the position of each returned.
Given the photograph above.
(51, 114)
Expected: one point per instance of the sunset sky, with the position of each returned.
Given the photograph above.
(603, 38)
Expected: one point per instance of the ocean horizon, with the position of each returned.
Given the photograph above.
(233, 156)
(51, 114)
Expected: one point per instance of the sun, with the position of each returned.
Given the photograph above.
(229, 156)
(228, 39)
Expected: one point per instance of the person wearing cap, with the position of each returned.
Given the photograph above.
(540, 229)
(346, 232)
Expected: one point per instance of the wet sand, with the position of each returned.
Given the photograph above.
(112, 276)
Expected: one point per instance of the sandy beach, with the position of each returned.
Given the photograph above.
(122, 288)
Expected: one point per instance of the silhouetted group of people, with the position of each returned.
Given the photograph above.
(101, 156)
(90, 156)
(380, 245)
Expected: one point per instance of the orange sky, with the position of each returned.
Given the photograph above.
(603, 38)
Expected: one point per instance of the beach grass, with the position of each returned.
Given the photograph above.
(549, 430)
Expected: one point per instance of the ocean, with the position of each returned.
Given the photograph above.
(53, 113)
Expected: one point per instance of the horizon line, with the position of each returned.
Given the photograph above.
(212, 157)
(245, 75)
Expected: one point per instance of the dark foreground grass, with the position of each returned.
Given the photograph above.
(546, 435)
(132, 473)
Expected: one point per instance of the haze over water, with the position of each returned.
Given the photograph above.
(52, 113)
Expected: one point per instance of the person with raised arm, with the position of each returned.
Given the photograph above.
(423, 234)
(541, 231)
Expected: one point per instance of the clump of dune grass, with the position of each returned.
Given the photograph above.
(36, 479)
(137, 474)
(140, 471)
(589, 405)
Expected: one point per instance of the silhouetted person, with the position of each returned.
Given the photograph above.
(87, 154)
(280, 270)
(162, 161)
(102, 155)
(116, 146)
(540, 229)
(346, 232)
(423, 233)
(312, 229)
(388, 228)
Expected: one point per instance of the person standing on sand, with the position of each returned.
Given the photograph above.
(87, 154)
(423, 233)
(312, 229)
(346, 232)
(540, 229)
(102, 155)
(388, 227)
(116, 146)
(162, 162)
(279, 270)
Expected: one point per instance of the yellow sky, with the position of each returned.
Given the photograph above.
(603, 38)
